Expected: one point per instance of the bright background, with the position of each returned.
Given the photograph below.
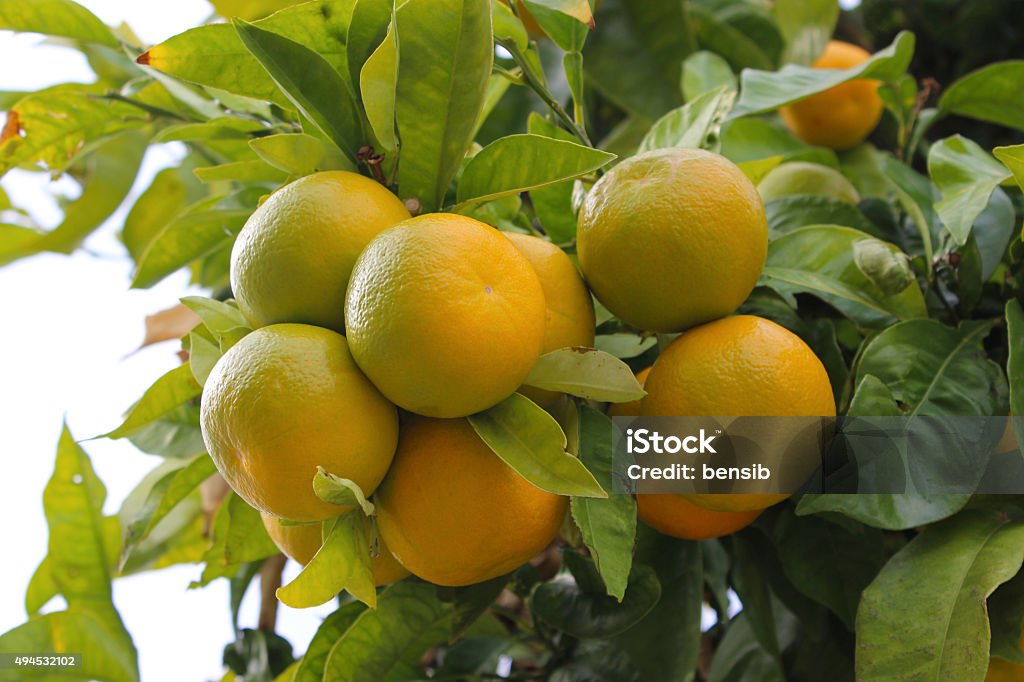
(69, 326)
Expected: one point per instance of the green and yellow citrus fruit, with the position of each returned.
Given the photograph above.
(840, 117)
(445, 315)
(569, 310)
(676, 516)
(672, 238)
(292, 260)
(453, 513)
(284, 400)
(799, 177)
(302, 542)
(733, 367)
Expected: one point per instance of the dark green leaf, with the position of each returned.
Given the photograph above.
(471, 602)
(1015, 363)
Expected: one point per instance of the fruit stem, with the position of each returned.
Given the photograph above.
(270, 580)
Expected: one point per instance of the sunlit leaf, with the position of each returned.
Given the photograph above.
(174, 388)
(706, 71)
(988, 94)
(377, 83)
(966, 175)
(342, 563)
(62, 18)
(693, 124)
(587, 373)
(300, 154)
(340, 491)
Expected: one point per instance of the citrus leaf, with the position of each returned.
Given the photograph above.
(508, 28)
(1015, 363)
(311, 667)
(1012, 158)
(888, 512)
(586, 373)
(61, 18)
(254, 170)
(443, 69)
(366, 30)
(965, 175)
(309, 82)
(624, 345)
(790, 213)
(340, 491)
(174, 388)
(566, 31)
(943, 576)
(691, 125)
(705, 71)
(222, 318)
(530, 441)
(300, 154)
(168, 195)
(988, 94)
(471, 602)
(342, 563)
(553, 204)
(608, 526)
(518, 163)
(819, 260)
(213, 55)
(763, 91)
(806, 26)
(566, 603)
(387, 643)
(246, 537)
(203, 353)
(378, 82)
(577, 9)
(746, 45)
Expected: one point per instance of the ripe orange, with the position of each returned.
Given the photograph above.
(569, 309)
(454, 513)
(445, 315)
(291, 261)
(286, 399)
(674, 515)
(672, 238)
(733, 367)
(840, 117)
(301, 543)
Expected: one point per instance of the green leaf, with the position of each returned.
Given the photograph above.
(608, 526)
(519, 163)
(342, 563)
(763, 91)
(806, 26)
(309, 82)
(988, 94)
(170, 193)
(378, 82)
(311, 667)
(577, 9)
(567, 31)
(756, 169)
(1012, 158)
(705, 71)
(203, 353)
(471, 602)
(743, 46)
(936, 370)
(740, 656)
(366, 30)
(174, 388)
(61, 18)
(553, 205)
(246, 539)
(213, 55)
(692, 125)
(443, 70)
(340, 491)
(1015, 363)
(387, 643)
(623, 345)
(530, 441)
(966, 175)
(254, 170)
(820, 260)
(586, 373)
(175, 434)
(888, 512)
(943, 578)
(300, 154)
(222, 318)
(569, 603)
(804, 210)
(751, 139)
(108, 174)
(915, 194)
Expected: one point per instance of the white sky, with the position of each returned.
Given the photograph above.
(66, 327)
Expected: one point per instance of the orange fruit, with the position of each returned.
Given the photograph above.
(286, 399)
(840, 117)
(444, 315)
(733, 367)
(302, 542)
(672, 238)
(454, 513)
(674, 515)
(632, 408)
(569, 309)
(292, 260)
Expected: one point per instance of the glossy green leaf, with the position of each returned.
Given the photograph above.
(343, 563)
(966, 175)
(565, 30)
(705, 71)
(246, 539)
(762, 91)
(693, 125)
(174, 388)
(378, 82)
(577, 9)
(804, 210)
(222, 318)
(888, 512)
(445, 61)
(61, 18)
(370, 22)
(213, 55)
(172, 190)
(255, 170)
(942, 577)
(311, 667)
(988, 94)
(624, 345)
(530, 441)
(756, 169)
(915, 195)
(300, 154)
(340, 491)
(569, 603)
(820, 260)
(752, 139)
(743, 46)
(203, 353)
(608, 526)
(518, 163)
(1012, 158)
(587, 373)
(309, 82)
(807, 26)
(387, 643)
(1015, 363)
(553, 204)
